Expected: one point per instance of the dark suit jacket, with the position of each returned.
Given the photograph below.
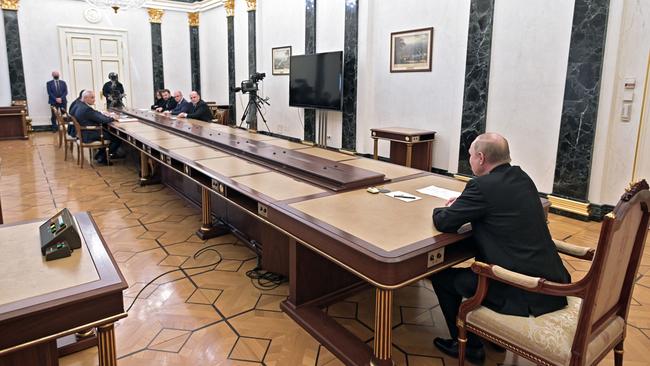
(169, 104)
(108, 88)
(52, 93)
(90, 117)
(159, 103)
(183, 107)
(200, 111)
(73, 106)
(510, 230)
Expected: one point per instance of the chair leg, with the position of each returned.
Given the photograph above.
(618, 354)
(81, 153)
(60, 137)
(65, 156)
(108, 156)
(462, 344)
(78, 153)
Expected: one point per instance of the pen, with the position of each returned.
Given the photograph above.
(402, 196)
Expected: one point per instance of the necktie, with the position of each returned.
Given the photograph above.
(56, 85)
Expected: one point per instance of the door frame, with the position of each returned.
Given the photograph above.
(64, 30)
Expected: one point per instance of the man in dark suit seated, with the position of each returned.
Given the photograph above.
(508, 229)
(73, 106)
(87, 116)
(57, 91)
(168, 102)
(200, 109)
(182, 105)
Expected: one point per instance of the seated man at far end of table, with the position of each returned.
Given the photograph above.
(88, 116)
(199, 110)
(182, 105)
(508, 229)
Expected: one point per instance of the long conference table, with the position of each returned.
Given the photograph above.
(307, 212)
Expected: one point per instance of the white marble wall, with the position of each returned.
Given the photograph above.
(530, 50)
(425, 100)
(213, 41)
(281, 118)
(628, 46)
(175, 32)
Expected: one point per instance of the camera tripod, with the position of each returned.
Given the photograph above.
(254, 105)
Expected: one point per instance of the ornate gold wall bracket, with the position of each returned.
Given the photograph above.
(229, 5)
(9, 4)
(251, 4)
(193, 19)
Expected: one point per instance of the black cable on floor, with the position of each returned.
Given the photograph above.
(265, 280)
(195, 256)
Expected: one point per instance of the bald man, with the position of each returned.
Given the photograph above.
(57, 91)
(199, 109)
(508, 229)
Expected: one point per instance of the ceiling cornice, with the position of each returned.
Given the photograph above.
(171, 5)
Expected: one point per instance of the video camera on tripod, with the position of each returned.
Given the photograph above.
(250, 86)
(254, 102)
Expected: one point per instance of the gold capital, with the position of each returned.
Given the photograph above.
(229, 5)
(9, 4)
(193, 19)
(155, 15)
(251, 4)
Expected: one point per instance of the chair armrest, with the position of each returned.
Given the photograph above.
(574, 250)
(539, 285)
(532, 284)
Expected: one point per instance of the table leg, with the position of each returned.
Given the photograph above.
(383, 328)
(106, 345)
(146, 173)
(409, 154)
(208, 228)
(374, 149)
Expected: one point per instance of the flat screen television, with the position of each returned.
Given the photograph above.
(316, 81)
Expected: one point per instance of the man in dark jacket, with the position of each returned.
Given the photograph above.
(73, 106)
(508, 229)
(200, 109)
(87, 116)
(168, 102)
(57, 91)
(182, 105)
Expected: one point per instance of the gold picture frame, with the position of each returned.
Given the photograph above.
(281, 60)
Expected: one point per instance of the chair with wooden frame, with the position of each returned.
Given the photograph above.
(100, 144)
(594, 321)
(63, 132)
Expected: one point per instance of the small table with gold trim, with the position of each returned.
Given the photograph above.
(410, 147)
(42, 301)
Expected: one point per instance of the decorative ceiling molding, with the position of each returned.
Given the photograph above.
(172, 5)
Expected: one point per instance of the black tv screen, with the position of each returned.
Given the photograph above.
(316, 81)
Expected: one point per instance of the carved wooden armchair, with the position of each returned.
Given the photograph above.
(102, 143)
(594, 321)
(63, 132)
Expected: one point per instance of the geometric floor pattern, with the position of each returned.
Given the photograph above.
(214, 315)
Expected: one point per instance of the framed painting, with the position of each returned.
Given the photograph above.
(410, 51)
(280, 58)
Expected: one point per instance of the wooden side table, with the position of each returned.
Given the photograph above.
(408, 146)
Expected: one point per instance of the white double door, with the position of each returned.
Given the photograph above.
(89, 55)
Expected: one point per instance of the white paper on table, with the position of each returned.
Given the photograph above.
(400, 193)
(143, 109)
(445, 194)
(127, 120)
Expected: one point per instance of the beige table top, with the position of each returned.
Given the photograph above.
(174, 143)
(287, 144)
(391, 171)
(327, 154)
(382, 221)
(277, 186)
(137, 126)
(403, 130)
(154, 135)
(231, 166)
(198, 152)
(252, 136)
(24, 273)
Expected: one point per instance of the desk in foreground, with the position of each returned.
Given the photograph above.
(42, 301)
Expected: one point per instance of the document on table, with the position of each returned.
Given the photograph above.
(436, 191)
(403, 196)
(127, 120)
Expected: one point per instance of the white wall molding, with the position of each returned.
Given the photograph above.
(198, 6)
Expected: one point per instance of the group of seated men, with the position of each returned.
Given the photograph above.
(178, 106)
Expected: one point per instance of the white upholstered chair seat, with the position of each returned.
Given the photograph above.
(550, 335)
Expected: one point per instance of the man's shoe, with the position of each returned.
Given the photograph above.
(450, 348)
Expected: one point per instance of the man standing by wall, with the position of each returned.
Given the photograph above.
(57, 91)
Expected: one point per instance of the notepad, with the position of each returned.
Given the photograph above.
(436, 191)
(403, 196)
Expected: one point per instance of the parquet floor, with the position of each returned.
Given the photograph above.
(214, 315)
